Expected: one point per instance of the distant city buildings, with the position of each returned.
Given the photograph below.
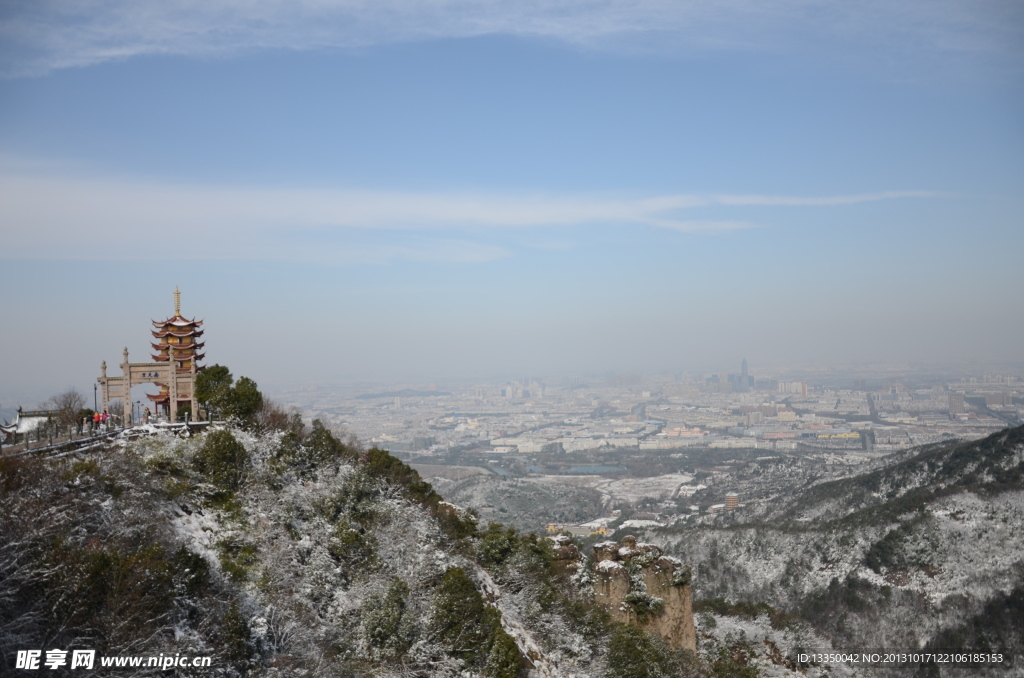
(827, 418)
(998, 399)
(731, 383)
(794, 387)
(516, 390)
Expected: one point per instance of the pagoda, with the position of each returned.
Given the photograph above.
(178, 345)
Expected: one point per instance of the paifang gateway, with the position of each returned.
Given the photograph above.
(176, 359)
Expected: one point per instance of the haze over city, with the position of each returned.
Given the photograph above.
(419, 192)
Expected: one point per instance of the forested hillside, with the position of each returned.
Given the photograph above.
(925, 552)
(522, 504)
(282, 551)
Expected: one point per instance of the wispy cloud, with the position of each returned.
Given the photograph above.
(58, 217)
(44, 35)
(824, 201)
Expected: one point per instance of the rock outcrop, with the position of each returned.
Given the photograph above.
(567, 556)
(639, 585)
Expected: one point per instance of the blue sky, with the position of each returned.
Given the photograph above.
(420, 190)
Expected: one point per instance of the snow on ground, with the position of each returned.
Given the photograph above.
(200, 531)
(770, 647)
(641, 523)
(623, 489)
(967, 542)
(528, 645)
(636, 489)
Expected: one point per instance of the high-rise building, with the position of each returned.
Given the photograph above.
(732, 501)
(956, 403)
(744, 380)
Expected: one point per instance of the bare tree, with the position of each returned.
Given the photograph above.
(67, 405)
(272, 416)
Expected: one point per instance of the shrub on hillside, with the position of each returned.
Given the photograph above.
(388, 624)
(472, 629)
(497, 545)
(222, 460)
(306, 453)
(632, 653)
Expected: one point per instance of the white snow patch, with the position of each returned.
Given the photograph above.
(609, 565)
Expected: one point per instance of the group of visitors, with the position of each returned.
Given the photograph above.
(98, 421)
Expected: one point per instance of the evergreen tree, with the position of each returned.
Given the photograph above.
(503, 659)
(222, 459)
(385, 622)
(243, 401)
(635, 654)
(212, 386)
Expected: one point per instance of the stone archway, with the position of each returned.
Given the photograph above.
(180, 385)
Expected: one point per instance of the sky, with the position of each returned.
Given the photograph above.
(416, 191)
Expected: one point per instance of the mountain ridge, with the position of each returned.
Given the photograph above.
(908, 555)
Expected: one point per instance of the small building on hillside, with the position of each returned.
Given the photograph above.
(25, 423)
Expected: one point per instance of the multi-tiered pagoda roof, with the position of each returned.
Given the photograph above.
(179, 336)
(177, 340)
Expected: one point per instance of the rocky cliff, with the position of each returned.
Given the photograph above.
(639, 585)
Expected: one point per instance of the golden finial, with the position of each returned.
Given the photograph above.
(177, 301)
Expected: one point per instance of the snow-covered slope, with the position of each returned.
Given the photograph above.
(925, 551)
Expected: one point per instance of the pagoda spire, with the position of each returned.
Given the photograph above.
(177, 302)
